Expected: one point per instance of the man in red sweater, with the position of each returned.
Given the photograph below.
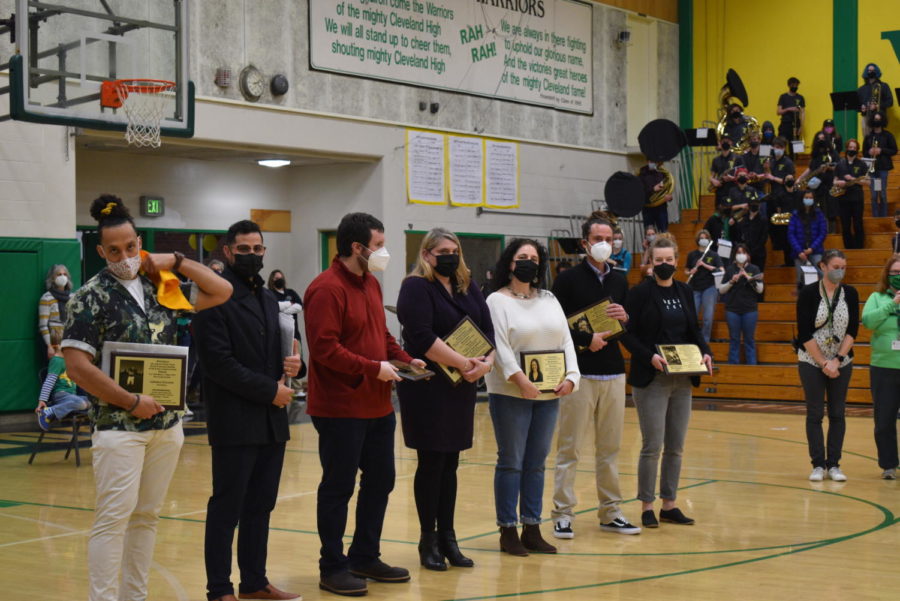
(349, 400)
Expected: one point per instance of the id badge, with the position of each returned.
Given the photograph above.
(895, 345)
(876, 185)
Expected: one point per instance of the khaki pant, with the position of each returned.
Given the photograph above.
(132, 471)
(597, 405)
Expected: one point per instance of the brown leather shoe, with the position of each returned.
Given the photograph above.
(533, 541)
(270, 592)
(509, 541)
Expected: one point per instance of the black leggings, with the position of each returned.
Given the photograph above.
(435, 488)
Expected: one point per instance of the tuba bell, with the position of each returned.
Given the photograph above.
(734, 92)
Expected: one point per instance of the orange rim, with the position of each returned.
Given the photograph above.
(144, 86)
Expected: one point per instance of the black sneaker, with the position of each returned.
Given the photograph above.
(675, 516)
(381, 572)
(344, 583)
(620, 526)
(648, 519)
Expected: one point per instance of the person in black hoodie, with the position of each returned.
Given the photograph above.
(661, 311)
(754, 231)
(599, 403)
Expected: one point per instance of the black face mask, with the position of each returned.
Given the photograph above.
(742, 180)
(754, 207)
(788, 183)
(526, 270)
(664, 271)
(851, 153)
(793, 89)
(726, 147)
(736, 116)
(446, 264)
(247, 266)
(754, 144)
(875, 123)
(278, 283)
(871, 74)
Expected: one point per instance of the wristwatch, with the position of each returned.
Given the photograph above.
(179, 257)
(840, 358)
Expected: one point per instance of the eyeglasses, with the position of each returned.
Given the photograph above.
(246, 249)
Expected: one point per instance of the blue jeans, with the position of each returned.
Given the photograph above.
(705, 301)
(879, 199)
(742, 325)
(63, 403)
(524, 431)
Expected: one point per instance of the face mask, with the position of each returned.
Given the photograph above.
(601, 251)
(835, 275)
(768, 134)
(808, 202)
(664, 271)
(378, 260)
(651, 166)
(60, 281)
(126, 269)
(754, 207)
(871, 74)
(278, 283)
(779, 152)
(741, 257)
(617, 244)
(651, 238)
(742, 180)
(789, 183)
(247, 266)
(876, 122)
(726, 147)
(754, 143)
(526, 270)
(736, 116)
(829, 130)
(894, 281)
(446, 264)
(851, 153)
(703, 242)
(793, 89)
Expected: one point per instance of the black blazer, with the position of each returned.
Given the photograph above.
(239, 348)
(645, 328)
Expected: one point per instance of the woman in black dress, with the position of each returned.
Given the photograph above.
(437, 418)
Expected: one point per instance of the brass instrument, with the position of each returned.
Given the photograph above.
(837, 191)
(875, 101)
(658, 198)
(780, 218)
(733, 92)
(719, 177)
(872, 164)
(803, 180)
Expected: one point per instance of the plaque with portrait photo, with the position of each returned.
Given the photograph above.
(467, 340)
(593, 319)
(545, 369)
(155, 370)
(682, 359)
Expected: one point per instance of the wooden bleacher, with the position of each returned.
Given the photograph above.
(775, 378)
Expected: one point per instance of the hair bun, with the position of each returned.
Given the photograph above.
(108, 206)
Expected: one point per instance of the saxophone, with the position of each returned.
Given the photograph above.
(658, 198)
(875, 101)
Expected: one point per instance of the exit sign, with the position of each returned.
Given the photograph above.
(152, 206)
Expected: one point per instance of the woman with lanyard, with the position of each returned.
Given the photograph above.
(881, 316)
(52, 306)
(851, 203)
(526, 317)
(827, 324)
(806, 235)
(438, 417)
(741, 288)
(661, 311)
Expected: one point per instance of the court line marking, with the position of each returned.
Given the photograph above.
(36, 521)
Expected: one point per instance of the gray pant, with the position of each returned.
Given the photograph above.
(664, 411)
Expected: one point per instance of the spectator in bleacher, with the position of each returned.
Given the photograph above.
(827, 324)
(58, 397)
(881, 316)
(701, 264)
(754, 232)
(880, 146)
(661, 311)
(806, 235)
(52, 306)
(719, 224)
(620, 259)
(741, 289)
(289, 301)
(650, 234)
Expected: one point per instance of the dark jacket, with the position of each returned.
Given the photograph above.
(239, 347)
(578, 288)
(645, 307)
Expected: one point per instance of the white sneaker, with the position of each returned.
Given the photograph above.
(817, 475)
(563, 528)
(836, 474)
(889, 474)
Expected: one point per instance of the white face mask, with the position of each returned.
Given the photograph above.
(703, 242)
(378, 260)
(61, 281)
(126, 269)
(651, 166)
(651, 237)
(740, 258)
(601, 251)
(779, 152)
(617, 244)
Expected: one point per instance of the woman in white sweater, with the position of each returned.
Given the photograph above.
(526, 318)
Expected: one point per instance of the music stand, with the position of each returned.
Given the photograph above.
(845, 101)
(696, 141)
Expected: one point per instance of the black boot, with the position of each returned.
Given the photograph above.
(450, 549)
(429, 554)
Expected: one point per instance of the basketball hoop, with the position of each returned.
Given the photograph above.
(144, 102)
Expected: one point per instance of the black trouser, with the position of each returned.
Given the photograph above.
(245, 487)
(759, 257)
(816, 386)
(658, 217)
(346, 446)
(435, 489)
(885, 383)
(851, 209)
(786, 131)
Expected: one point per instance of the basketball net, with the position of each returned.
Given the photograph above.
(144, 103)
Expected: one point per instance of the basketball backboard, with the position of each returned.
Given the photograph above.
(68, 48)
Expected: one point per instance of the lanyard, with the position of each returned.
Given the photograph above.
(832, 306)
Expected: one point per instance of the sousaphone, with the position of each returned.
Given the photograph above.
(734, 92)
(661, 140)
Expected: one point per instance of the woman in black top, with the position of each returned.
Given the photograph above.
(283, 294)
(851, 203)
(827, 324)
(701, 264)
(741, 288)
(661, 311)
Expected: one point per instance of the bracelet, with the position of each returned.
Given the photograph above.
(137, 401)
(179, 257)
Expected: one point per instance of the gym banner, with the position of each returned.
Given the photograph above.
(533, 51)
